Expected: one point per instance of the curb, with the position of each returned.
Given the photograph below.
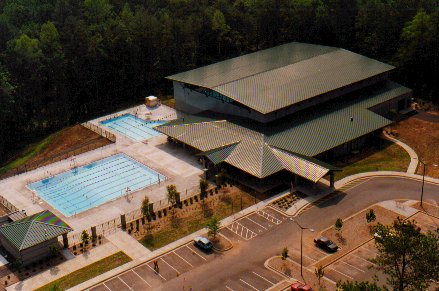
(267, 265)
(226, 249)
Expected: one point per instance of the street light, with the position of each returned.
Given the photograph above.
(301, 243)
(423, 178)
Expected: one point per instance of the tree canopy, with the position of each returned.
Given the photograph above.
(63, 62)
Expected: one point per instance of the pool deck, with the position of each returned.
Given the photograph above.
(181, 169)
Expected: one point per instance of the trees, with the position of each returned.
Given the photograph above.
(363, 286)
(214, 225)
(203, 187)
(370, 216)
(338, 224)
(409, 257)
(320, 273)
(85, 237)
(172, 194)
(144, 208)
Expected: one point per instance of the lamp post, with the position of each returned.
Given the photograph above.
(423, 179)
(301, 243)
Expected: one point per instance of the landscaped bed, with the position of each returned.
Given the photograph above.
(88, 272)
(193, 217)
(390, 157)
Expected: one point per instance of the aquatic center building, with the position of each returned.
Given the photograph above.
(284, 110)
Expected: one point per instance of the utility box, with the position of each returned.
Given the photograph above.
(151, 101)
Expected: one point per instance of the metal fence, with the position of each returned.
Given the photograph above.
(99, 130)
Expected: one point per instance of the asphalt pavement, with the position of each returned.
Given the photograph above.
(262, 235)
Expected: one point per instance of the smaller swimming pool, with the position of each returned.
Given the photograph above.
(133, 127)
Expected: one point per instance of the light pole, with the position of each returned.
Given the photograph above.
(423, 179)
(301, 243)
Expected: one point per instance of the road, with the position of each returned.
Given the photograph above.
(229, 271)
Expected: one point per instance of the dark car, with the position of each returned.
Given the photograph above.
(203, 243)
(300, 287)
(326, 244)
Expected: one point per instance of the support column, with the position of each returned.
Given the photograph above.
(65, 241)
(123, 222)
(296, 180)
(94, 236)
(331, 179)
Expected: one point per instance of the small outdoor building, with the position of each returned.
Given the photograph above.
(29, 238)
(151, 101)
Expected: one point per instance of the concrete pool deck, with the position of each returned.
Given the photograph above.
(181, 168)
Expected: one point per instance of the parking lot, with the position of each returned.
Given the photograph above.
(256, 279)
(171, 265)
(187, 257)
(254, 224)
(357, 265)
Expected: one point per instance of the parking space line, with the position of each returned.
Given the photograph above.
(194, 252)
(124, 282)
(263, 278)
(183, 259)
(106, 286)
(341, 273)
(363, 259)
(244, 233)
(249, 285)
(156, 272)
(170, 265)
(269, 217)
(366, 249)
(132, 270)
(352, 266)
(256, 223)
(315, 248)
(228, 288)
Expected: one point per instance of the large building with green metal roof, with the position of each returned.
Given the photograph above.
(284, 109)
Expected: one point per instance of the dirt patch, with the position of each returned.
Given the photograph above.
(423, 137)
(427, 208)
(221, 243)
(68, 142)
(356, 231)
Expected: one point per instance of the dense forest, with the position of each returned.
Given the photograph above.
(63, 61)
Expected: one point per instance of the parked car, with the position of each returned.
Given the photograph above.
(325, 244)
(300, 287)
(203, 243)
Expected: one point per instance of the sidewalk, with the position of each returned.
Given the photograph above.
(128, 244)
(413, 156)
(65, 268)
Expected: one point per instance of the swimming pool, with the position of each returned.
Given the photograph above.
(133, 127)
(91, 185)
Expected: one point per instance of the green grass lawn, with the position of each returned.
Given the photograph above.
(194, 222)
(87, 272)
(389, 158)
(30, 152)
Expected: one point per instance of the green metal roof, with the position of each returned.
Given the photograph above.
(264, 149)
(275, 78)
(34, 229)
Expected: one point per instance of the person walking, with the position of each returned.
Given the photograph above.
(156, 266)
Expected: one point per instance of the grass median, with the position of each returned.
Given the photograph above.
(88, 272)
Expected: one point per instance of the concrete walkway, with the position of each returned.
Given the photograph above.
(65, 268)
(413, 156)
(128, 244)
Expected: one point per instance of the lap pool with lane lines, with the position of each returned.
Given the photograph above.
(91, 185)
(133, 127)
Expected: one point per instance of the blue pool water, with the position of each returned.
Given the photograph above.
(91, 185)
(133, 127)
